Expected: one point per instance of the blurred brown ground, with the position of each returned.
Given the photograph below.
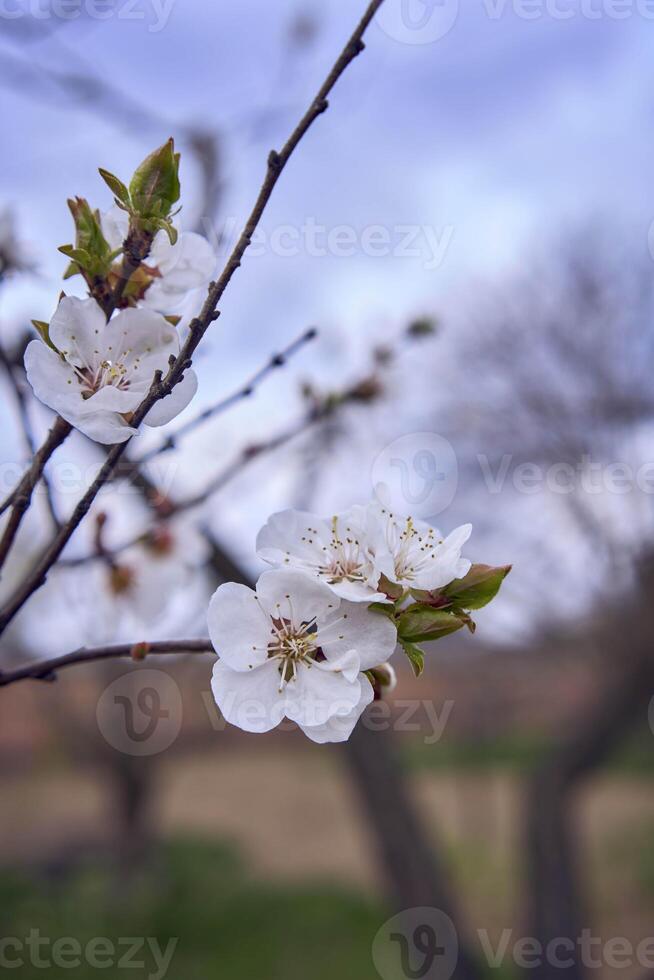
(290, 808)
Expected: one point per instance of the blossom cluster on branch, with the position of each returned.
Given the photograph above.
(311, 642)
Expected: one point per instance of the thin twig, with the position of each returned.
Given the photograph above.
(22, 496)
(162, 387)
(26, 425)
(245, 391)
(45, 670)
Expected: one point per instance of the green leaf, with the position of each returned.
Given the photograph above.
(116, 186)
(78, 255)
(421, 623)
(155, 188)
(91, 255)
(416, 656)
(478, 587)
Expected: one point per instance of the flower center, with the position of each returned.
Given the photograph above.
(292, 645)
(108, 373)
(411, 550)
(346, 560)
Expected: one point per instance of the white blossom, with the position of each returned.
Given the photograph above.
(100, 372)
(293, 649)
(345, 552)
(150, 590)
(352, 551)
(177, 269)
(422, 558)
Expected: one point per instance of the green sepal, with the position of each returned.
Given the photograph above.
(170, 230)
(478, 587)
(391, 589)
(43, 330)
(416, 656)
(385, 608)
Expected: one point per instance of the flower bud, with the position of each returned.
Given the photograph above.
(154, 188)
(385, 677)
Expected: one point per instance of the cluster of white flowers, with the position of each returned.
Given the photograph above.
(156, 586)
(300, 645)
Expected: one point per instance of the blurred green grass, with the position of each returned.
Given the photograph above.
(520, 753)
(228, 924)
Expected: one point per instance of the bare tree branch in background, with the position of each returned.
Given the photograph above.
(558, 373)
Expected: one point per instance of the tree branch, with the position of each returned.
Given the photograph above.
(21, 497)
(161, 387)
(45, 670)
(245, 391)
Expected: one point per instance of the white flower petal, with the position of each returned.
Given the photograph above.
(239, 629)
(371, 634)
(142, 340)
(107, 428)
(251, 700)
(348, 664)
(174, 403)
(109, 398)
(288, 534)
(189, 263)
(357, 592)
(294, 596)
(115, 226)
(314, 696)
(76, 329)
(53, 381)
(340, 726)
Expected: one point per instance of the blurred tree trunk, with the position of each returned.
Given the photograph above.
(555, 907)
(413, 869)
